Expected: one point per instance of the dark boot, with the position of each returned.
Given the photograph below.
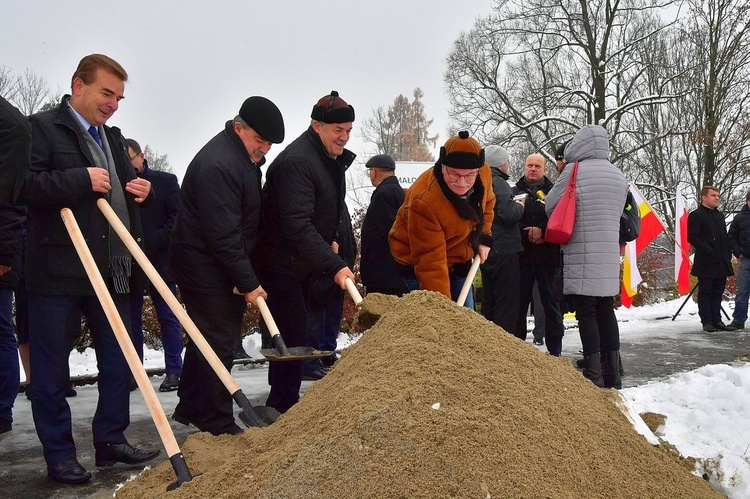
(592, 369)
(611, 369)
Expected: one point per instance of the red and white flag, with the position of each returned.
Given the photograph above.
(681, 245)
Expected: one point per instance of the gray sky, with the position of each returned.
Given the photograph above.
(192, 64)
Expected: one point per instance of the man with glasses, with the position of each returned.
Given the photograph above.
(158, 221)
(303, 205)
(540, 261)
(446, 220)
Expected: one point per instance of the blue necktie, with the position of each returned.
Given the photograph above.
(95, 133)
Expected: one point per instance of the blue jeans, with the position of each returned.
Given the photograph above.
(743, 290)
(171, 333)
(456, 284)
(9, 372)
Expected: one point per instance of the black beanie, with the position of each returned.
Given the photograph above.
(264, 117)
(332, 109)
(462, 152)
(560, 153)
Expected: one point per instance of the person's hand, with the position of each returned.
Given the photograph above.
(341, 275)
(4, 269)
(139, 187)
(335, 247)
(99, 179)
(534, 235)
(484, 252)
(252, 296)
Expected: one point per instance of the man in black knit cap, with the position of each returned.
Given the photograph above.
(212, 243)
(303, 203)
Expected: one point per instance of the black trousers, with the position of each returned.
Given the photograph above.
(286, 301)
(500, 291)
(54, 323)
(710, 291)
(597, 324)
(549, 281)
(203, 397)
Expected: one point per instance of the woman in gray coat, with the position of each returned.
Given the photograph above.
(591, 259)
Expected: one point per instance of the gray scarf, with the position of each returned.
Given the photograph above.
(120, 261)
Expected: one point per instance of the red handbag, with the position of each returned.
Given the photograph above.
(560, 223)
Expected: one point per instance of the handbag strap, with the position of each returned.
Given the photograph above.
(573, 175)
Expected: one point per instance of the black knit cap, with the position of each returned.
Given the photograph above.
(332, 109)
(462, 152)
(560, 153)
(382, 161)
(264, 117)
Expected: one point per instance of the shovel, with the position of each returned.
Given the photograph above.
(123, 339)
(248, 414)
(281, 352)
(468, 282)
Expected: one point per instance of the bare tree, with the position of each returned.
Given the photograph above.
(401, 130)
(7, 83)
(156, 161)
(535, 71)
(32, 91)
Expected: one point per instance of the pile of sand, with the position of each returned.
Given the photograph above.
(436, 401)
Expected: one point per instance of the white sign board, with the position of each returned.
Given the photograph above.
(408, 171)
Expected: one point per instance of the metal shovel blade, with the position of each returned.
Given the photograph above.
(294, 353)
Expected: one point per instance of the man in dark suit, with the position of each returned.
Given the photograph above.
(212, 242)
(75, 160)
(712, 263)
(158, 219)
(15, 146)
(377, 267)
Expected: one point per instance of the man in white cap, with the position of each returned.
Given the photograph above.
(500, 272)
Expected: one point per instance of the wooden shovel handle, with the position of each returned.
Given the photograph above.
(121, 334)
(169, 298)
(468, 282)
(352, 288)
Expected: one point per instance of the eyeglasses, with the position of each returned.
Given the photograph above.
(133, 156)
(469, 177)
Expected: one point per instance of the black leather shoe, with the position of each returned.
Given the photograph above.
(108, 454)
(170, 383)
(709, 328)
(723, 327)
(69, 471)
(737, 325)
(70, 392)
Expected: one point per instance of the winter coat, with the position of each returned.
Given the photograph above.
(437, 232)
(377, 267)
(217, 223)
(303, 200)
(535, 216)
(158, 219)
(707, 233)
(739, 233)
(505, 236)
(59, 178)
(592, 256)
(12, 219)
(15, 150)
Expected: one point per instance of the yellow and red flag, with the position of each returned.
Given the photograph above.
(651, 227)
